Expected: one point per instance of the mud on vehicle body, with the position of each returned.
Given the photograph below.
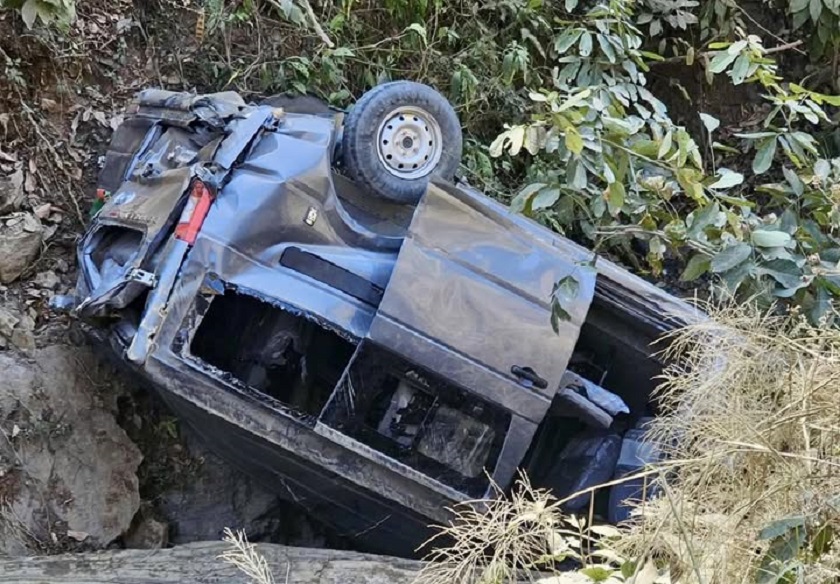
(373, 350)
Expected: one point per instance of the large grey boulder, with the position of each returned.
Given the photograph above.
(68, 472)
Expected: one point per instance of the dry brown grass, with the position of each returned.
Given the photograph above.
(245, 556)
(516, 538)
(751, 427)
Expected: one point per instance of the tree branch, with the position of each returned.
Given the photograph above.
(709, 54)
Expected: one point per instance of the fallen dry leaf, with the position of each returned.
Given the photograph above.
(77, 535)
(43, 211)
(30, 184)
(48, 104)
(17, 179)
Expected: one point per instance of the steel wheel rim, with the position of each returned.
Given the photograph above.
(409, 142)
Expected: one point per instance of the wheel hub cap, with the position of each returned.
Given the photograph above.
(409, 143)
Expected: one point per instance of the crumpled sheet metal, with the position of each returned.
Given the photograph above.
(184, 108)
(159, 177)
(275, 191)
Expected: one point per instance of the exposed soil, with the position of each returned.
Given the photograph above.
(61, 96)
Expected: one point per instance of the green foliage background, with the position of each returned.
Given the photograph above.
(563, 119)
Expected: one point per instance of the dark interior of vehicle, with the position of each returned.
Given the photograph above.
(415, 417)
(278, 353)
(569, 454)
(419, 419)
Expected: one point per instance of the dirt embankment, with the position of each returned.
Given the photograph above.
(88, 459)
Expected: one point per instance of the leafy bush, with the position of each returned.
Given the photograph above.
(614, 168)
(582, 128)
(60, 12)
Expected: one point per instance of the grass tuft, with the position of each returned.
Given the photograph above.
(244, 556)
(751, 427)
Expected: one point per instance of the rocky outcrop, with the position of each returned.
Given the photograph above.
(68, 472)
(11, 193)
(218, 496)
(20, 240)
(200, 564)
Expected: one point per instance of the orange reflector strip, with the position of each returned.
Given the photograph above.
(194, 213)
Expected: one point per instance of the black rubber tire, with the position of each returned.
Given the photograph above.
(358, 144)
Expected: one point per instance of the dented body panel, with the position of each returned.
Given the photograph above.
(373, 362)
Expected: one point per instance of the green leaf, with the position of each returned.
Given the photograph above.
(755, 135)
(724, 148)
(628, 568)
(586, 45)
(534, 139)
(822, 168)
(545, 198)
(575, 100)
(579, 180)
(606, 48)
(597, 573)
(764, 155)
(733, 279)
(574, 142)
(419, 29)
(565, 292)
(822, 304)
(727, 180)
(788, 291)
(29, 12)
(615, 197)
(821, 542)
(730, 257)
(521, 200)
(794, 181)
(696, 267)
(688, 180)
(789, 276)
(721, 61)
(770, 239)
(343, 52)
(571, 5)
(702, 218)
(711, 122)
(815, 9)
(781, 527)
(789, 221)
(558, 315)
(665, 147)
(566, 40)
(738, 201)
(517, 138)
(740, 69)
(775, 253)
(774, 566)
(684, 144)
